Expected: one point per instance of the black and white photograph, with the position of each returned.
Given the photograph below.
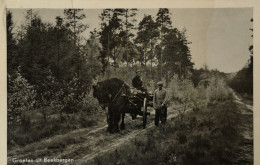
(126, 86)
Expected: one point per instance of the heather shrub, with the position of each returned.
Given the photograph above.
(218, 91)
(184, 92)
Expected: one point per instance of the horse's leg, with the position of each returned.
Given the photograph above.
(113, 121)
(122, 126)
(110, 120)
(136, 111)
(122, 111)
(116, 120)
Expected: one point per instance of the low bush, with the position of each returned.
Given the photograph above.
(184, 93)
(90, 105)
(21, 100)
(218, 91)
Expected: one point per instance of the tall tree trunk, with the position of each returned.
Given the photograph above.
(75, 42)
(167, 78)
(114, 56)
(58, 56)
(151, 68)
(145, 57)
(161, 68)
(108, 68)
(108, 63)
(32, 47)
(126, 17)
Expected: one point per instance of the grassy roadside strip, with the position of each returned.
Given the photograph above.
(42, 130)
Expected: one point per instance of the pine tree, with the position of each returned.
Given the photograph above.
(146, 37)
(12, 63)
(32, 48)
(127, 33)
(92, 51)
(164, 24)
(105, 34)
(176, 54)
(111, 36)
(74, 19)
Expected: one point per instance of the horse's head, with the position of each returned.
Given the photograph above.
(109, 90)
(100, 92)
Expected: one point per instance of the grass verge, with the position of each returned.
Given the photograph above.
(40, 129)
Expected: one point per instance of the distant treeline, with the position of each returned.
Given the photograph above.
(243, 80)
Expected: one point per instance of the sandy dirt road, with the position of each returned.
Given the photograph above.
(245, 149)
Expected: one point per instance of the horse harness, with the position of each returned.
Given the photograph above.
(115, 95)
(118, 94)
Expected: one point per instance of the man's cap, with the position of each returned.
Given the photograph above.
(160, 83)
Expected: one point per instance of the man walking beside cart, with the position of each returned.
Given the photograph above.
(159, 104)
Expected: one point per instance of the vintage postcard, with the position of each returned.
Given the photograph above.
(129, 82)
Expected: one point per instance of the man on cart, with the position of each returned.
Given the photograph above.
(137, 81)
(140, 92)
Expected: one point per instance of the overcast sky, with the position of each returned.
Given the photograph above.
(220, 37)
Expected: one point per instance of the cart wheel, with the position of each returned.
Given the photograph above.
(144, 113)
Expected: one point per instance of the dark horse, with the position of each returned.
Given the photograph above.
(114, 94)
